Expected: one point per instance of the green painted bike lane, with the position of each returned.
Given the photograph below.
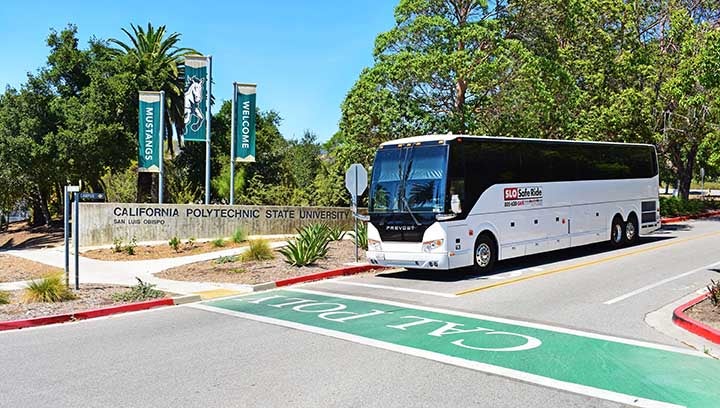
(626, 371)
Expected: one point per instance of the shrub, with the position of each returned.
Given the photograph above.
(48, 289)
(308, 247)
(675, 206)
(361, 239)
(226, 259)
(139, 292)
(239, 236)
(714, 292)
(335, 233)
(130, 247)
(190, 243)
(117, 245)
(4, 297)
(218, 243)
(259, 250)
(174, 244)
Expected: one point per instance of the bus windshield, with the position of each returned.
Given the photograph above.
(410, 179)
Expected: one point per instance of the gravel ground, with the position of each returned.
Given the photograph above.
(253, 272)
(90, 297)
(706, 313)
(13, 269)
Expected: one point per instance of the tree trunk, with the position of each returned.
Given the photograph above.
(144, 187)
(685, 172)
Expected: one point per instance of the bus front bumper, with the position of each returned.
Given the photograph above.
(409, 259)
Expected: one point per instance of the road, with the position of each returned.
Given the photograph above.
(573, 324)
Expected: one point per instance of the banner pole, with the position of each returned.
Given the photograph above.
(208, 115)
(162, 147)
(76, 239)
(66, 232)
(232, 144)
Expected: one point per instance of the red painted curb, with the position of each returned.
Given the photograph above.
(89, 314)
(689, 217)
(327, 274)
(692, 325)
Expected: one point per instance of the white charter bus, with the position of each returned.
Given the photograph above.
(450, 201)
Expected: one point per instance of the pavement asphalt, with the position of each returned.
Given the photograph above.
(186, 356)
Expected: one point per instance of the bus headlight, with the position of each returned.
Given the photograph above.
(374, 245)
(429, 246)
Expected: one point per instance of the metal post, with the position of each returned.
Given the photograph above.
(232, 145)
(66, 233)
(356, 228)
(162, 149)
(208, 115)
(355, 200)
(76, 239)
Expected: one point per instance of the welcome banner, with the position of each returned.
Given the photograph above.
(149, 132)
(196, 98)
(245, 122)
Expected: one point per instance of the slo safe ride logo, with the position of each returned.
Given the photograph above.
(522, 196)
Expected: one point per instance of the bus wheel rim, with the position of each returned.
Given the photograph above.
(630, 231)
(483, 254)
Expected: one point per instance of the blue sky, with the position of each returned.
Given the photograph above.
(304, 55)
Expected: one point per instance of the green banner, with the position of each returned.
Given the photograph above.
(245, 122)
(195, 107)
(149, 143)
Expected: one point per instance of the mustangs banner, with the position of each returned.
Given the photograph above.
(196, 98)
(245, 122)
(149, 131)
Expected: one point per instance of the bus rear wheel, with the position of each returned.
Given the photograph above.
(631, 230)
(485, 254)
(617, 232)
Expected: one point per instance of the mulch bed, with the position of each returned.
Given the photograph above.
(254, 272)
(90, 296)
(706, 313)
(13, 269)
(145, 252)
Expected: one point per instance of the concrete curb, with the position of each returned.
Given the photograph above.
(672, 220)
(350, 270)
(89, 314)
(693, 326)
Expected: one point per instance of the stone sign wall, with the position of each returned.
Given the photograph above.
(100, 223)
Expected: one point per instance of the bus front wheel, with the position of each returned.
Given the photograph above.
(485, 254)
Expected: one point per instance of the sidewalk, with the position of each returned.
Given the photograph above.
(124, 272)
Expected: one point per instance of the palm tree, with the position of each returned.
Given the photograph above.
(158, 65)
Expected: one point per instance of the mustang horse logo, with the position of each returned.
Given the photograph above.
(193, 98)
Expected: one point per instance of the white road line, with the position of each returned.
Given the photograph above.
(459, 362)
(662, 282)
(540, 326)
(370, 285)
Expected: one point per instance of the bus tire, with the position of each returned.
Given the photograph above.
(617, 232)
(485, 254)
(632, 232)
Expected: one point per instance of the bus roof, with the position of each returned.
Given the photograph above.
(450, 136)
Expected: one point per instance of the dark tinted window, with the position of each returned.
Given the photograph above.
(508, 161)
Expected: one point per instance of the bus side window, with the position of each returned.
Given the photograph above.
(456, 175)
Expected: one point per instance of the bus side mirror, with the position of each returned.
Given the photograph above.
(455, 206)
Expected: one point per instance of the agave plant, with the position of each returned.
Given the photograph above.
(361, 238)
(310, 245)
